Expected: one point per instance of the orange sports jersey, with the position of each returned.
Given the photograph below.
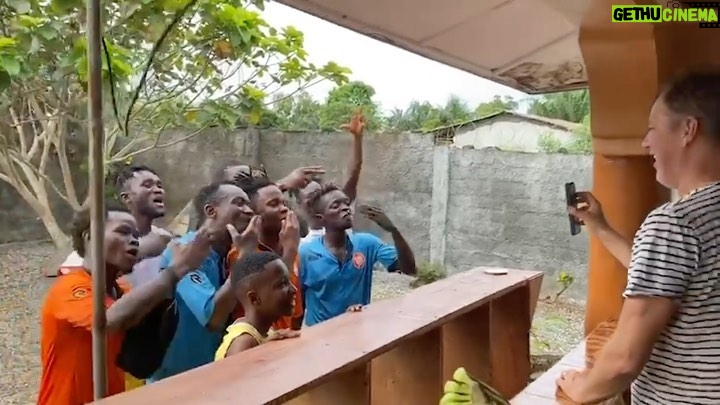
(66, 344)
(284, 322)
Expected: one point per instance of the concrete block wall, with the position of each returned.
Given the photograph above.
(461, 207)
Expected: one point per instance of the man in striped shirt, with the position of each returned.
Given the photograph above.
(667, 342)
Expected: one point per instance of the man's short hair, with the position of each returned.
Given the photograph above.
(696, 94)
(250, 264)
(128, 173)
(313, 200)
(80, 226)
(252, 185)
(208, 195)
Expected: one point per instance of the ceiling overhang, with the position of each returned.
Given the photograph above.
(529, 45)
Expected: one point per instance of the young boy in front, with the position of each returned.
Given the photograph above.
(261, 284)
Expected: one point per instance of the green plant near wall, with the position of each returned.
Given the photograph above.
(549, 143)
(566, 280)
(428, 272)
(581, 144)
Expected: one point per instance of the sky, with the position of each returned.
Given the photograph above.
(384, 67)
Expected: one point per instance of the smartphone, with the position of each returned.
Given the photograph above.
(571, 200)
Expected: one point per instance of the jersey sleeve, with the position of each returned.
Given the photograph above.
(73, 303)
(299, 308)
(665, 257)
(198, 293)
(383, 253)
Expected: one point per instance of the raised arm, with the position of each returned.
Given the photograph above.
(356, 128)
(395, 258)
(590, 212)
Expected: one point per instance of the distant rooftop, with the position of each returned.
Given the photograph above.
(550, 122)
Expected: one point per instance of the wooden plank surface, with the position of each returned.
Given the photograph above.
(544, 390)
(282, 370)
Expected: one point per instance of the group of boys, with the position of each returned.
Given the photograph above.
(238, 278)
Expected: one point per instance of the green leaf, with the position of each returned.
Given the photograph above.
(6, 42)
(47, 32)
(61, 6)
(30, 21)
(10, 65)
(5, 80)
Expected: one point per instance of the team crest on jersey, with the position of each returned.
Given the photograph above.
(358, 260)
(80, 293)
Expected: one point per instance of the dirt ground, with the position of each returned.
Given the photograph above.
(22, 289)
(557, 327)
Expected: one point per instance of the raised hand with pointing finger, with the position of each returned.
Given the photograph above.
(300, 177)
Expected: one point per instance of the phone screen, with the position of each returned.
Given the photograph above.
(571, 200)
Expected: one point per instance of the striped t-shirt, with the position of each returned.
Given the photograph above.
(676, 254)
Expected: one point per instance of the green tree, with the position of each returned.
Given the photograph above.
(297, 113)
(413, 118)
(582, 142)
(345, 100)
(497, 104)
(175, 63)
(453, 112)
(570, 106)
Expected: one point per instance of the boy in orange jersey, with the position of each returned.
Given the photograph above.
(279, 232)
(67, 313)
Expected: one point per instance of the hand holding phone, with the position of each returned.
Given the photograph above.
(571, 199)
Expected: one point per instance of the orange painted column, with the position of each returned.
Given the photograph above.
(626, 64)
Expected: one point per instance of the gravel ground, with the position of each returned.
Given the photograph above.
(22, 289)
(557, 326)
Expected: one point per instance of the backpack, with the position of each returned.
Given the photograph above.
(146, 343)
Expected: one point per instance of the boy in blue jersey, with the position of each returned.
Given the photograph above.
(336, 269)
(204, 297)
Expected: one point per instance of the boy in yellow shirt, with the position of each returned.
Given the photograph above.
(261, 283)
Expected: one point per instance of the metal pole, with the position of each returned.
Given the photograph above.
(97, 198)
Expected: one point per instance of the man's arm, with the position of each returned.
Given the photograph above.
(398, 258)
(405, 255)
(240, 344)
(618, 246)
(75, 303)
(664, 258)
(350, 187)
(153, 244)
(210, 307)
(132, 307)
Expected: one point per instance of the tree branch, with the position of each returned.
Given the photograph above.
(32, 169)
(157, 145)
(18, 125)
(65, 171)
